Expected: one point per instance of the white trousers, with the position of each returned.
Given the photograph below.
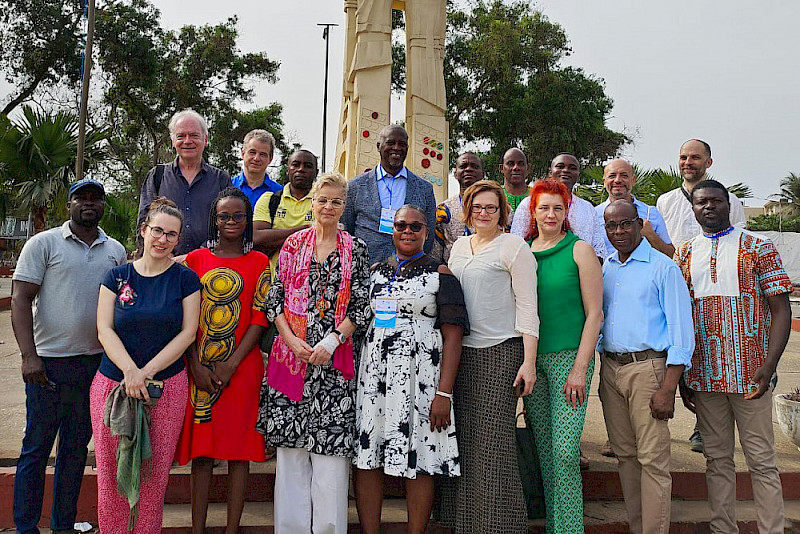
(310, 492)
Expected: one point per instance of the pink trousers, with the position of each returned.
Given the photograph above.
(166, 419)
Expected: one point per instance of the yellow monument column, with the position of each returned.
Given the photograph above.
(367, 88)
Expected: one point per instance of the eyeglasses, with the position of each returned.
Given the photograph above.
(237, 217)
(415, 227)
(335, 202)
(625, 224)
(477, 208)
(157, 232)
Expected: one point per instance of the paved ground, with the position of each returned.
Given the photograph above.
(12, 410)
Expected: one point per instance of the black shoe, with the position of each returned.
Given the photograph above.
(696, 441)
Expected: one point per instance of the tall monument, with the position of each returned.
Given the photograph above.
(367, 88)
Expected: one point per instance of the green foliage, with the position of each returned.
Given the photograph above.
(119, 219)
(38, 45)
(774, 222)
(37, 158)
(790, 192)
(150, 73)
(505, 88)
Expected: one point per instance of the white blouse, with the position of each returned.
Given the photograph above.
(499, 284)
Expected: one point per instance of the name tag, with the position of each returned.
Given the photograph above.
(385, 313)
(387, 221)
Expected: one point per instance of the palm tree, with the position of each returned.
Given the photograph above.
(790, 192)
(37, 158)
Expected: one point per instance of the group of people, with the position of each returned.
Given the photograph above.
(356, 324)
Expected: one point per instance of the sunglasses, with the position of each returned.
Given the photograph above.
(415, 227)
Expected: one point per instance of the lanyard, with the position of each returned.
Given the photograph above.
(388, 186)
(400, 266)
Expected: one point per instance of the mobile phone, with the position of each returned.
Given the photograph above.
(154, 388)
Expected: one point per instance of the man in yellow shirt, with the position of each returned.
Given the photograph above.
(276, 219)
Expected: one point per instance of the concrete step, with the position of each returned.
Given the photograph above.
(599, 517)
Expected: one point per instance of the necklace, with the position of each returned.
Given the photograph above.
(322, 304)
(719, 234)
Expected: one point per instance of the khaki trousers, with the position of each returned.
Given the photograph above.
(641, 442)
(716, 414)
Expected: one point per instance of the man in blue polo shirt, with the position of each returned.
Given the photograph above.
(258, 149)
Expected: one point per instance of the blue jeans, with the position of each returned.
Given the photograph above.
(63, 410)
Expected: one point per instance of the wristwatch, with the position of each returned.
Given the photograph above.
(341, 337)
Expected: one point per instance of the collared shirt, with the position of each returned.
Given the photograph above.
(291, 213)
(730, 278)
(194, 200)
(268, 186)
(392, 189)
(646, 306)
(681, 223)
(582, 221)
(647, 213)
(449, 227)
(68, 273)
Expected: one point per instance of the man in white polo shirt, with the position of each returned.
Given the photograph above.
(54, 315)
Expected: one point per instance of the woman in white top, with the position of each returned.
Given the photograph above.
(498, 364)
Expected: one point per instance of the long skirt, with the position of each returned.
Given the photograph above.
(487, 498)
(166, 418)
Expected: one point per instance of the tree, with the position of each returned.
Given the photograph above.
(150, 73)
(38, 45)
(37, 159)
(790, 192)
(505, 88)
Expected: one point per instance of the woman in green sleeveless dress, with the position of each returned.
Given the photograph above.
(570, 292)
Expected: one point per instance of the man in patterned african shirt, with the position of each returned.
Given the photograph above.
(742, 319)
(449, 226)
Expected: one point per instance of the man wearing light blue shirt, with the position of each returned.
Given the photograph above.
(646, 342)
(373, 197)
(258, 148)
(619, 179)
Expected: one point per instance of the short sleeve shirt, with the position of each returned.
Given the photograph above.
(291, 213)
(68, 273)
(268, 186)
(730, 278)
(148, 314)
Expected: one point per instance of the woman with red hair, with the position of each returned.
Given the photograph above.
(570, 288)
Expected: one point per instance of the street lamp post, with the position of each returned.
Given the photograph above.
(87, 67)
(325, 36)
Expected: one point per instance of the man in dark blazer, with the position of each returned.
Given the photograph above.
(374, 197)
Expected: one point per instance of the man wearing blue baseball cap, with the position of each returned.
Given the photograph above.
(54, 315)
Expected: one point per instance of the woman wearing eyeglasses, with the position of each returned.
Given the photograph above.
(225, 364)
(570, 284)
(318, 301)
(498, 364)
(147, 315)
(406, 375)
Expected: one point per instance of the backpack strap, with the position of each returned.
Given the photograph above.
(157, 177)
(274, 202)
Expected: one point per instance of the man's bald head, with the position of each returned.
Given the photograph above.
(619, 179)
(514, 169)
(623, 227)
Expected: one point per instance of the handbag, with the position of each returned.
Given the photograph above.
(267, 338)
(529, 472)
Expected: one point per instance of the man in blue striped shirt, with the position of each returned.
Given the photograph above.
(646, 342)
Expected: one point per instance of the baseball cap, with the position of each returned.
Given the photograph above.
(80, 184)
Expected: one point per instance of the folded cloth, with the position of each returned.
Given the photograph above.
(129, 419)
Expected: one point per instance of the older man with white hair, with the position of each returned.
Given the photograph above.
(188, 180)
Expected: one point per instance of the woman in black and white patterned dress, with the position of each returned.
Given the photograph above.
(404, 412)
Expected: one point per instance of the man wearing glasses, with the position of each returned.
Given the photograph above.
(54, 315)
(375, 196)
(190, 182)
(646, 342)
(276, 216)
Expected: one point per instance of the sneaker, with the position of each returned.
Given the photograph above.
(696, 441)
(606, 450)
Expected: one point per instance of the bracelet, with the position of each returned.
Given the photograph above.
(445, 395)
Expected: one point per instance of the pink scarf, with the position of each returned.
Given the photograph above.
(285, 372)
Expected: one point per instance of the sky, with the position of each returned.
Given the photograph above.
(727, 72)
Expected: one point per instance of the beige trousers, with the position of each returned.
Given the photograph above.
(641, 442)
(716, 414)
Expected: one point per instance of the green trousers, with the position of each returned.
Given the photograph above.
(557, 427)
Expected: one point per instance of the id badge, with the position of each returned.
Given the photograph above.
(387, 221)
(385, 313)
